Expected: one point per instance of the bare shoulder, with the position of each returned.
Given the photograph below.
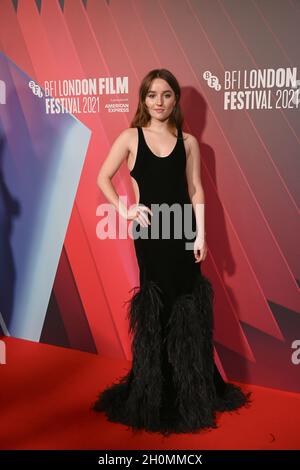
(131, 131)
(132, 139)
(127, 135)
(190, 142)
(125, 141)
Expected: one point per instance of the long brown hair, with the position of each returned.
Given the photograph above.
(142, 117)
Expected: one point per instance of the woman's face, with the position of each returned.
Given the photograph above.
(160, 99)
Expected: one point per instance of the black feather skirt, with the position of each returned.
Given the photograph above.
(173, 385)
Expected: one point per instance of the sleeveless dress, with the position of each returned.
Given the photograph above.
(173, 385)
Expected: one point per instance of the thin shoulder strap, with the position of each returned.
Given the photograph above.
(140, 143)
(140, 137)
(141, 134)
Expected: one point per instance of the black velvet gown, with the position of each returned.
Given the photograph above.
(173, 385)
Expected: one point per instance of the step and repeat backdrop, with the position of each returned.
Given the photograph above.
(69, 78)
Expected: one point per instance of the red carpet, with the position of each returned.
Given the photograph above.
(46, 394)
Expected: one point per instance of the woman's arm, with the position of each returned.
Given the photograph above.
(117, 154)
(196, 193)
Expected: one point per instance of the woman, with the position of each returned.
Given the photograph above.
(173, 385)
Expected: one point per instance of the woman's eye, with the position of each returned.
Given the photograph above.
(152, 96)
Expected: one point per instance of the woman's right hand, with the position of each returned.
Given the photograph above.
(139, 212)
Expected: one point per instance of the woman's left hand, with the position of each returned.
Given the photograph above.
(200, 249)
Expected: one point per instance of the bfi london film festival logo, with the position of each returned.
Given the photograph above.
(255, 88)
(83, 96)
(35, 88)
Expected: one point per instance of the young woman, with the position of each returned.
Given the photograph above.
(173, 384)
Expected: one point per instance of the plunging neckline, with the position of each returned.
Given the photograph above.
(157, 156)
